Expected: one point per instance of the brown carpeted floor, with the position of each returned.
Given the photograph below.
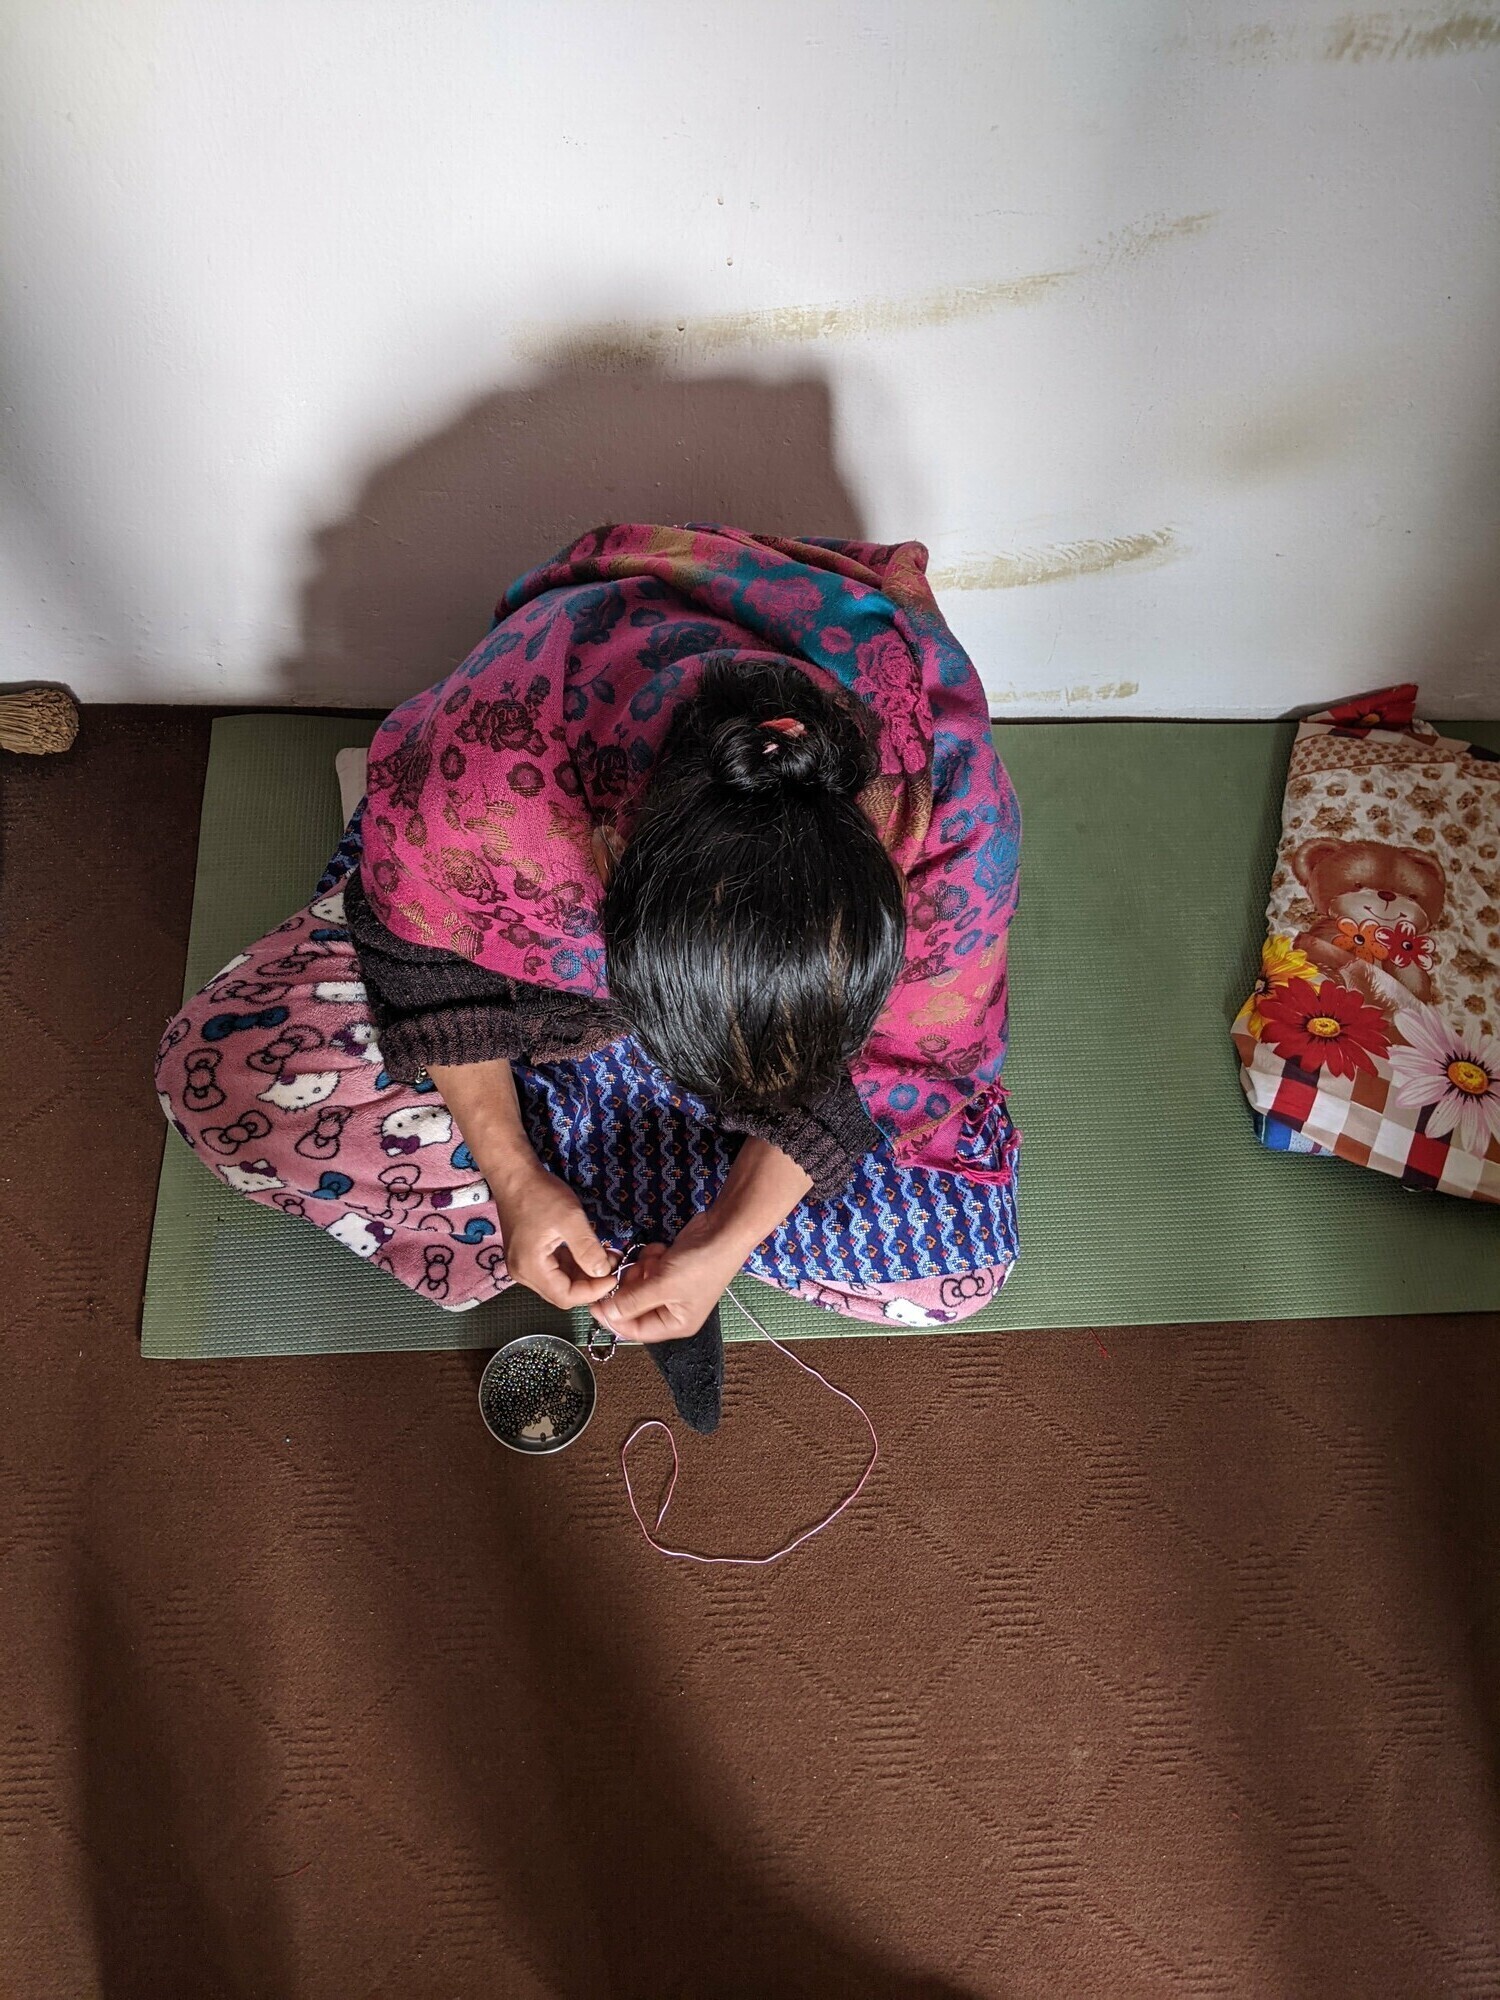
(1170, 1669)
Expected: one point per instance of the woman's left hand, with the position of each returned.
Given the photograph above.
(670, 1289)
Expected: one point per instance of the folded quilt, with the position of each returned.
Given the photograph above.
(1371, 1033)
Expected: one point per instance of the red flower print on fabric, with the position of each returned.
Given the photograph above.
(1324, 1027)
(1407, 946)
(1389, 708)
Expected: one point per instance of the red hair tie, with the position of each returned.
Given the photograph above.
(784, 725)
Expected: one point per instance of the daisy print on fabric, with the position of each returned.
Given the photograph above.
(1458, 1075)
(1328, 1026)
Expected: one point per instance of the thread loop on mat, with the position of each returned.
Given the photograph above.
(756, 1562)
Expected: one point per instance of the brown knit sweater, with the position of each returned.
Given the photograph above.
(431, 1006)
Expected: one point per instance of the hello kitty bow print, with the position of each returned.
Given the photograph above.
(489, 792)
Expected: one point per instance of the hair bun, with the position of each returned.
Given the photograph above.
(750, 756)
(763, 729)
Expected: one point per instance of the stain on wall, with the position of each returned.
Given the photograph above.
(1058, 563)
(1309, 424)
(1070, 697)
(1408, 36)
(628, 344)
(1390, 38)
(779, 324)
(1127, 244)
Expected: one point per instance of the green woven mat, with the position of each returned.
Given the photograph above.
(1144, 1196)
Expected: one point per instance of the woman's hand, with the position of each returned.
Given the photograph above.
(548, 1241)
(670, 1290)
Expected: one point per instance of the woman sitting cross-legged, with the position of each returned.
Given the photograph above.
(676, 916)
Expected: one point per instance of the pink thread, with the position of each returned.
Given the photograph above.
(754, 1562)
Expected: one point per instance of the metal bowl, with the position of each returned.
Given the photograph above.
(537, 1393)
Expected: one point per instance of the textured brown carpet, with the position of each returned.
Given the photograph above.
(1166, 1670)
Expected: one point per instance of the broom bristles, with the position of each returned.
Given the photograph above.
(37, 720)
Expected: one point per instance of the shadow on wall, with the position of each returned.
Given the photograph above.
(405, 587)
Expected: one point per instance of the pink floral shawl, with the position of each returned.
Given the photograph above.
(488, 793)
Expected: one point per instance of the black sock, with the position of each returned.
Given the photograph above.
(694, 1372)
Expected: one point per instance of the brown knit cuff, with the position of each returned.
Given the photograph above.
(481, 1032)
(826, 1141)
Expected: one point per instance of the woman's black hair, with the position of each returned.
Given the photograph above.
(754, 925)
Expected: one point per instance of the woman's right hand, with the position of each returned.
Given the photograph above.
(548, 1241)
(544, 1232)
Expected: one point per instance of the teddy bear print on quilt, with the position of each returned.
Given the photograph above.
(1373, 1032)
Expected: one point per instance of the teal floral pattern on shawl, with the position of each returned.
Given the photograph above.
(488, 792)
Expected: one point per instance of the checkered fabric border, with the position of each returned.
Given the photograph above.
(1355, 1118)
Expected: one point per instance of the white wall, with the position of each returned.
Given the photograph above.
(1171, 329)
